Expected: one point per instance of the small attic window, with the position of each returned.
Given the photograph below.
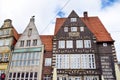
(65, 29)
(104, 44)
(73, 19)
(82, 29)
(30, 32)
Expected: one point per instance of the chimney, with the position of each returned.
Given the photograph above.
(85, 14)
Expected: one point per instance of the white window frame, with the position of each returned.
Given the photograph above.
(82, 29)
(73, 19)
(1, 42)
(87, 43)
(34, 42)
(22, 43)
(79, 43)
(48, 61)
(6, 57)
(105, 44)
(65, 29)
(30, 32)
(69, 43)
(7, 41)
(73, 29)
(1, 32)
(28, 43)
(6, 32)
(61, 44)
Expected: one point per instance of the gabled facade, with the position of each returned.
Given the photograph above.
(8, 38)
(82, 49)
(27, 57)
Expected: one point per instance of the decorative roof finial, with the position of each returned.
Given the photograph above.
(32, 19)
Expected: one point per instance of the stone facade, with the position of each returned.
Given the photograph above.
(8, 38)
(27, 57)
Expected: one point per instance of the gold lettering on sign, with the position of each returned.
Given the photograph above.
(74, 34)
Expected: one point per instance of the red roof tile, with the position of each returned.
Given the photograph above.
(47, 41)
(93, 23)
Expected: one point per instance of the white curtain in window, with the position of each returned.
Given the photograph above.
(87, 43)
(61, 44)
(65, 29)
(48, 61)
(69, 44)
(73, 29)
(79, 43)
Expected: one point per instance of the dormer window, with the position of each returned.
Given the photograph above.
(65, 29)
(73, 19)
(30, 32)
(73, 29)
(104, 44)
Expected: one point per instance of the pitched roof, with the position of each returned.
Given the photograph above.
(93, 23)
(47, 41)
(30, 33)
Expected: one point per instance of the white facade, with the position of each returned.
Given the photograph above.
(27, 58)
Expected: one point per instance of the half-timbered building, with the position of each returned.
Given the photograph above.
(82, 49)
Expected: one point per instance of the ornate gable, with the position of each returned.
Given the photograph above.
(30, 37)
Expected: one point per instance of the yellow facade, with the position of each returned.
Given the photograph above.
(117, 72)
(3, 66)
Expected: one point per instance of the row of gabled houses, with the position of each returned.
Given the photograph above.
(80, 49)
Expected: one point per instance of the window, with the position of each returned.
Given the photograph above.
(0, 57)
(61, 44)
(73, 29)
(47, 77)
(81, 29)
(104, 44)
(1, 42)
(6, 56)
(75, 61)
(65, 29)
(73, 19)
(25, 59)
(28, 42)
(69, 44)
(30, 32)
(7, 41)
(47, 61)
(91, 78)
(35, 42)
(79, 43)
(21, 43)
(6, 32)
(1, 32)
(87, 43)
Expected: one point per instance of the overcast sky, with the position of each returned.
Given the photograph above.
(46, 11)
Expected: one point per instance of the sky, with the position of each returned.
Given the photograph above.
(46, 12)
